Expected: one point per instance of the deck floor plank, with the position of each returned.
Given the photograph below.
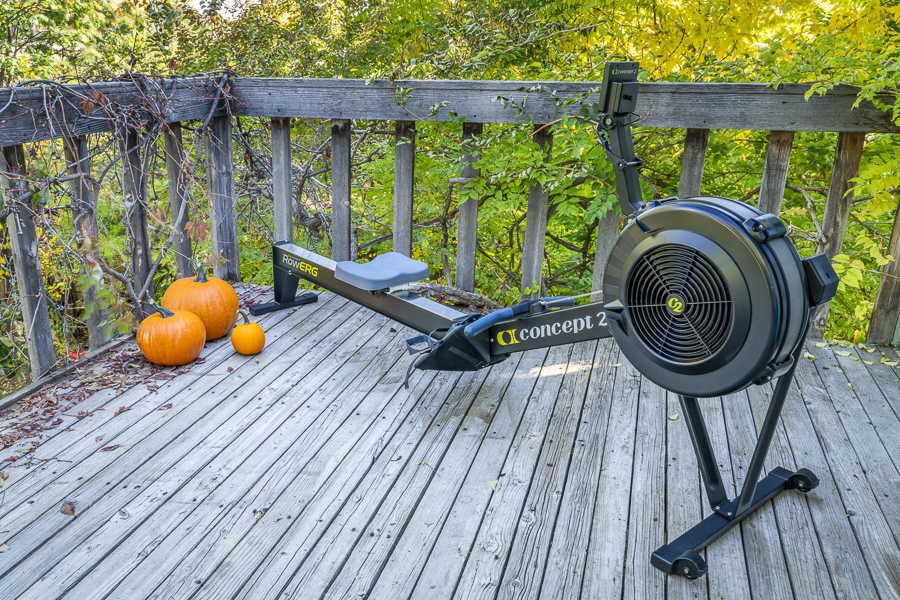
(767, 572)
(432, 550)
(646, 530)
(605, 565)
(684, 496)
(314, 566)
(484, 565)
(64, 441)
(313, 473)
(728, 579)
(800, 541)
(258, 459)
(523, 577)
(820, 444)
(173, 465)
(566, 566)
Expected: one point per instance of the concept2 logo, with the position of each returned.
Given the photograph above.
(289, 261)
(509, 337)
(675, 304)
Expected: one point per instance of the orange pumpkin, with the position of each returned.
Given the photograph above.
(210, 298)
(171, 338)
(248, 337)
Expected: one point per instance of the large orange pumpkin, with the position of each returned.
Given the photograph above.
(210, 298)
(171, 338)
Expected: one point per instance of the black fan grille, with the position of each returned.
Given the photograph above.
(702, 327)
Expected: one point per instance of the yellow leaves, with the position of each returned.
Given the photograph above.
(809, 356)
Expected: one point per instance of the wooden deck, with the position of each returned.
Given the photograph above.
(309, 472)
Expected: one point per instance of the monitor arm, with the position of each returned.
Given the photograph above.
(618, 97)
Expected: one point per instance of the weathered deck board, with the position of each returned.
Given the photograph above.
(553, 475)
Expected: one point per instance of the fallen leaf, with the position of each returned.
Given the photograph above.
(99, 438)
(855, 357)
(494, 484)
(868, 362)
(892, 363)
(617, 365)
(230, 369)
(109, 448)
(165, 406)
(821, 345)
(870, 350)
(4, 548)
(809, 356)
(673, 417)
(842, 353)
(67, 508)
(121, 410)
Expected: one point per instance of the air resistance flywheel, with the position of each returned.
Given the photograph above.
(706, 295)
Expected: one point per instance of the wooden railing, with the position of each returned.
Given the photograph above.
(698, 108)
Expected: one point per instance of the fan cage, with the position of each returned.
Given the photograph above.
(701, 328)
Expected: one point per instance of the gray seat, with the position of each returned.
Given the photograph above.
(383, 271)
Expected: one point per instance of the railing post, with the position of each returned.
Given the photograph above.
(404, 184)
(886, 312)
(222, 206)
(692, 162)
(607, 232)
(536, 222)
(175, 158)
(467, 230)
(135, 198)
(340, 189)
(27, 264)
(837, 208)
(87, 232)
(283, 209)
(775, 171)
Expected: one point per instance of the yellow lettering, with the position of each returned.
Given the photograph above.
(675, 305)
(512, 337)
(307, 268)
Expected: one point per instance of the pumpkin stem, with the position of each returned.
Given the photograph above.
(164, 312)
(246, 318)
(201, 274)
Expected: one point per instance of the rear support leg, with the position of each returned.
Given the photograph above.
(681, 556)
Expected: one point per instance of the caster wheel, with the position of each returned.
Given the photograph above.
(803, 480)
(691, 566)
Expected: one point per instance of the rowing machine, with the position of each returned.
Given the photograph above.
(704, 296)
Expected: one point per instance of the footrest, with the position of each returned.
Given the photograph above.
(383, 271)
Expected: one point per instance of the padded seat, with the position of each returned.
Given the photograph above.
(383, 271)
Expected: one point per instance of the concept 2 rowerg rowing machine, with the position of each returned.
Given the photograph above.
(704, 296)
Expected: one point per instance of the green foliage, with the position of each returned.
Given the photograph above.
(542, 41)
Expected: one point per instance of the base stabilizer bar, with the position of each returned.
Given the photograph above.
(682, 557)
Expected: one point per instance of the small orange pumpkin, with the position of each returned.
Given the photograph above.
(210, 298)
(248, 337)
(171, 338)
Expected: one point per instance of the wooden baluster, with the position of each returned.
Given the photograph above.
(175, 158)
(536, 222)
(135, 198)
(283, 210)
(607, 232)
(837, 208)
(774, 177)
(886, 312)
(340, 190)
(87, 233)
(467, 230)
(404, 184)
(222, 206)
(692, 162)
(27, 265)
